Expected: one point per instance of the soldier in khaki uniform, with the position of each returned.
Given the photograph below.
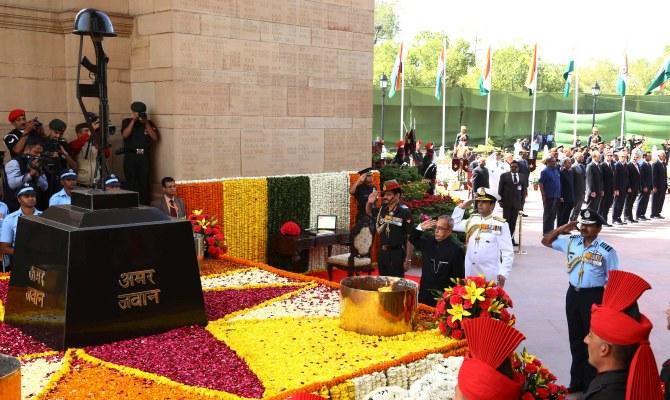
(489, 250)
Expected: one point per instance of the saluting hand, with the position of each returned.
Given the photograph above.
(372, 198)
(466, 204)
(429, 224)
(569, 227)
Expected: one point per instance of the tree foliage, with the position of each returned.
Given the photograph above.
(386, 21)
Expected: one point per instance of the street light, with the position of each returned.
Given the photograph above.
(383, 84)
(595, 91)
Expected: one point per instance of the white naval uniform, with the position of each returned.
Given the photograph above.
(489, 248)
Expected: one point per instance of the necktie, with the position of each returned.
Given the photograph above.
(514, 178)
(173, 209)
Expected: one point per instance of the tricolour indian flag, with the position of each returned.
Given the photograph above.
(622, 80)
(531, 80)
(396, 76)
(661, 77)
(439, 77)
(569, 69)
(485, 79)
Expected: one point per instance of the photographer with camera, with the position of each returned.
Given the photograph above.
(26, 168)
(15, 140)
(85, 154)
(138, 135)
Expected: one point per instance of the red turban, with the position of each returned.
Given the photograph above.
(15, 114)
(290, 228)
(490, 342)
(613, 325)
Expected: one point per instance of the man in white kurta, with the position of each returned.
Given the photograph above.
(488, 241)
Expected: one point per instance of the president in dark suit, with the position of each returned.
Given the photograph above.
(633, 187)
(607, 172)
(659, 179)
(512, 188)
(645, 187)
(169, 203)
(620, 187)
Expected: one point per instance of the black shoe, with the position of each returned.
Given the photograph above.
(642, 218)
(608, 225)
(514, 243)
(660, 217)
(618, 222)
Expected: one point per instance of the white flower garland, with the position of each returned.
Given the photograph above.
(329, 195)
(322, 301)
(35, 375)
(440, 376)
(246, 277)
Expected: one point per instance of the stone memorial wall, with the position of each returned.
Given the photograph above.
(237, 87)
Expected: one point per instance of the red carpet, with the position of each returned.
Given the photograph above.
(338, 275)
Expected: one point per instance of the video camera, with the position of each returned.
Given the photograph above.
(42, 163)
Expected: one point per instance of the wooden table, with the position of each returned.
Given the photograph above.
(296, 248)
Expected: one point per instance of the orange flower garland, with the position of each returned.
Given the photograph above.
(206, 196)
(245, 217)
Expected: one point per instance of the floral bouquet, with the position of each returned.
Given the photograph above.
(471, 297)
(207, 225)
(538, 382)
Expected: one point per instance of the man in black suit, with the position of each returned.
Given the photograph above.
(659, 185)
(633, 186)
(621, 187)
(480, 176)
(580, 184)
(512, 188)
(594, 182)
(607, 173)
(645, 187)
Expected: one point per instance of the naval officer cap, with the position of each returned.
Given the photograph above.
(590, 217)
(112, 180)
(486, 194)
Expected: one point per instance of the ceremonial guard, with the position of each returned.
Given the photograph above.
(393, 223)
(588, 260)
(488, 242)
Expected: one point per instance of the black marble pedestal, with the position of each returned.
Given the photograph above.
(92, 275)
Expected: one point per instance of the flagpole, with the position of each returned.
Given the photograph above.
(574, 115)
(402, 97)
(444, 94)
(623, 116)
(532, 123)
(488, 109)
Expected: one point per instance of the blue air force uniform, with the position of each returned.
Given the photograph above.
(587, 268)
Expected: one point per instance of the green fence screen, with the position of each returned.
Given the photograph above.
(511, 115)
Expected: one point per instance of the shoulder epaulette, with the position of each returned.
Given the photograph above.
(606, 246)
(404, 206)
(575, 236)
(499, 219)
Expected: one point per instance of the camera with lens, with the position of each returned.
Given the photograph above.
(143, 116)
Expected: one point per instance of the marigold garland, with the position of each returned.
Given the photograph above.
(326, 350)
(246, 217)
(203, 196)
(53, 381)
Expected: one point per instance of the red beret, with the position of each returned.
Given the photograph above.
(15, 114)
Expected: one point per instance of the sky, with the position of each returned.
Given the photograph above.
(586, 29)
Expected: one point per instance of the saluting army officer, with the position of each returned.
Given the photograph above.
(488, 242)
(588, 260)
(393, 222)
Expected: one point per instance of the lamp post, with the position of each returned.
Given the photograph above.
(595, 91)
(383, 84)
